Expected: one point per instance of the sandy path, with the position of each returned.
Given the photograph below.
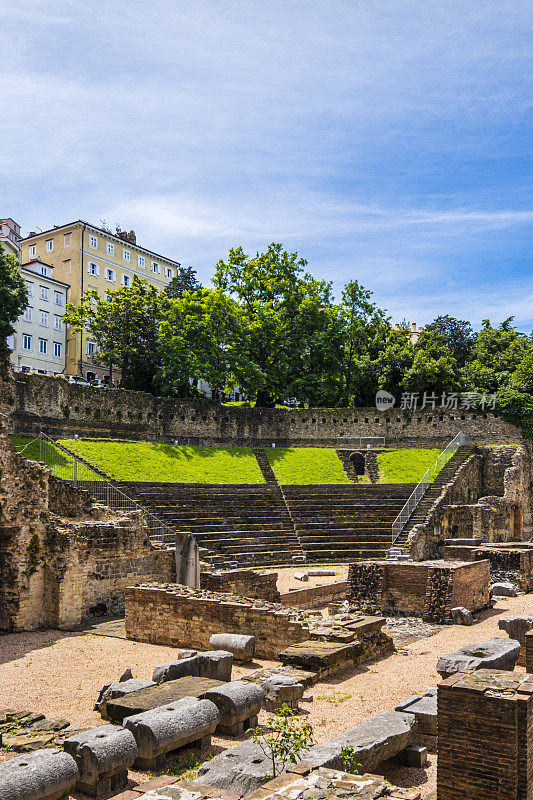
(60, 674)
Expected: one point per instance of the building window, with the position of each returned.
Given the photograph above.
(26, 342)
(126, 280)
(108, 297)
(110, 248)
(90, 348)
(58, 349)
(93, 269)
(32, 250)
(49, 245)
(58, 322)
(29, 284)
(43, 346)
(67, 266)
(43, 318)
(110, 275)
(169, 272)
(141, 262)
(58, 298)
(155, 267)
(46, 271)
(93, 242)
(43, 292)
(28, 314)
(126, 256)
(25, 368)
(67, 239)
(10, 341)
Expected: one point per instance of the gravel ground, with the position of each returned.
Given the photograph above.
(287, 581)
(60, 674)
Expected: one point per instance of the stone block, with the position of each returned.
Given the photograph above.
(301, 576)
(158, 695)
(413, 756)
(216, 664)
(103, 756)
(168, 728)
(173, 670)
(282, 690)
(241, 769)
(504, 589)
(320, 573)
(118, 689)
(375, 740)
(242, 647)
(424, 708)
(516, 626)
(239, 704)
(324, 658)
(495, 653)
(461, 616)
(43, 775)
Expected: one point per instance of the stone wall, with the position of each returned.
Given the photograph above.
(315, 596)
(243, 582)
(57, 568)
(465, 509)
(173, 615)
(62, 409)
(427, 589)
(509, 561)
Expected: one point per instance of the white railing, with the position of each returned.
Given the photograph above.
(66, 465)
(422, 486)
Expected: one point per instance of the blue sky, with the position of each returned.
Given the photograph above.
(384, 141)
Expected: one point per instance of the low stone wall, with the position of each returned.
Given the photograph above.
(315, 596)
(62, 409)
(507, 560)
(427, 589)
(174, 615)
(243, 582)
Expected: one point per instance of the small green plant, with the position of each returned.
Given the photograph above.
(349, 760)
(285, 739)
(335, 697)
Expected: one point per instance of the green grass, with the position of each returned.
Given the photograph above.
(407, 465)
(306, 465)
(60, 464)
(150, 461)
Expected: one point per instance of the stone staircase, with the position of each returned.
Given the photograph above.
(246, 524)
(343, 522)
(264, 466)
(446, 475)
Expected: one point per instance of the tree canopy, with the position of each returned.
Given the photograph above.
(13, 299)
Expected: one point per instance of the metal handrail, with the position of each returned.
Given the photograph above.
(422, 486)
(83, 476)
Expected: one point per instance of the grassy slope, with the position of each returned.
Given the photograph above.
(60, 464)
(150, 461)
(406, 466)
(306, 465)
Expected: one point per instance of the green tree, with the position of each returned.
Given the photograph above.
(523, 375)
(276, 300)
(458, 336)
(434, 369)
(496, 353)
(365, 331)
(287, 740)
(13, 300)
(202, 337)
(184, 281)
(121, 326)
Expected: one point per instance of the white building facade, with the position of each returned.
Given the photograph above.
(39, 341)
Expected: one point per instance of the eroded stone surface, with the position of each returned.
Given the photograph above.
(495, 653)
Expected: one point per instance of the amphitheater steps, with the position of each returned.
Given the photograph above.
(246, 524)
(344, 522)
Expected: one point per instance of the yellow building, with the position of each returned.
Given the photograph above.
(87, 257)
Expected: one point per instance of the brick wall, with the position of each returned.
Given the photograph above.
(59, 408)
(425, 589)
(243, 582)
(315, 596)
(511, 560)
(485, 736)
(173, 615)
